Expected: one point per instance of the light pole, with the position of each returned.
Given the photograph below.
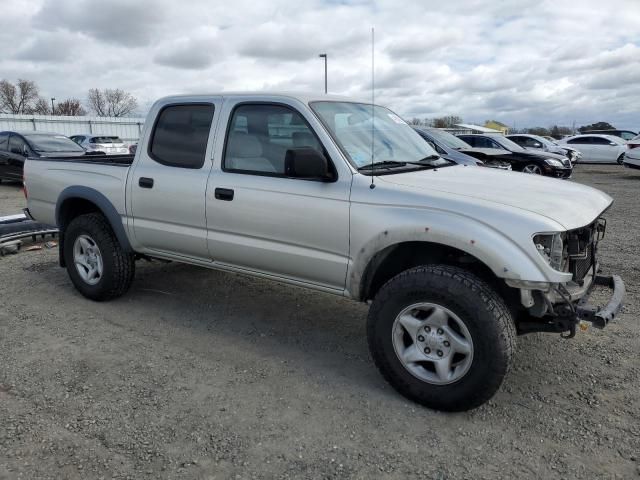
(52, 110)
(324, 55)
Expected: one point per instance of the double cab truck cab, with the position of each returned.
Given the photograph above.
(345, 198)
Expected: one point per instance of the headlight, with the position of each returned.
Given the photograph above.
(553, 162)
(551, 247)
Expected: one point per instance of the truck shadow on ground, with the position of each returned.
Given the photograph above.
(323, 332)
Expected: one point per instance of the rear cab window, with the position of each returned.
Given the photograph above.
(180, 135)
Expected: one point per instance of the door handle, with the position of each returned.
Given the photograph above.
(145, 182)
(224, 194)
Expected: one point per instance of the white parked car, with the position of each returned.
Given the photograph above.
(632, 155)
(597, 148)
(542, 144)
(108, 144)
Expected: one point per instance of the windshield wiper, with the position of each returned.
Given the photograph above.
(428, 157)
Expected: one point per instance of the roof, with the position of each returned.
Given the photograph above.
(478, 128)
(31, 132)
(304, 97)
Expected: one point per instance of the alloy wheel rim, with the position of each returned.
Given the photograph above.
(88, 259)
(532, 169)
(432, 343)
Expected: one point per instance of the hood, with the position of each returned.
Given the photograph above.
(570, 204)
(60, 154)
(541, 155)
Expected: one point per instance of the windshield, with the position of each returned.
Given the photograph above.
(53, 143)
(105, 140)
(358, 132)
(449, 139)
(508, 144)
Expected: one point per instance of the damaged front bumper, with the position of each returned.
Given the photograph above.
(601, 316)
(561, 309)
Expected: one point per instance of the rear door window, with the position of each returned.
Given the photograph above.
(4, 142)
(180, 135)
(580, 141)
(16, 145)
(599, 141)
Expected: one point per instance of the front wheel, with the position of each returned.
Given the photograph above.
(620, 159)
(97, 265)
(441, 337)
(532, 168)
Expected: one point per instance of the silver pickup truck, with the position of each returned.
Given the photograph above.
(342, 197)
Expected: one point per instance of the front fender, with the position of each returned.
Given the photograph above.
(506, 258)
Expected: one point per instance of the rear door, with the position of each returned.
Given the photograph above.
(4, 155)
(168, 184)
(604, 149)
(18, 151)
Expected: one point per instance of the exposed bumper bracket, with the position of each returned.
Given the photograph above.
(598, 316)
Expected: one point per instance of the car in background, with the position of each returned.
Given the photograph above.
(15, 147)
(107, 144)
(539, 143)
(632, 155)
(521, 160)
(452, 148)
(624, 134)
(597, 148)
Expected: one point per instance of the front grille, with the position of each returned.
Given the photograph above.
(581, 266)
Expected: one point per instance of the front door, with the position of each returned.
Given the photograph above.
(168, 184)
(260, 219)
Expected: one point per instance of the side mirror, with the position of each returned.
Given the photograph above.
(307, 163)
(613, 144)
(25, 151)
(537, 145)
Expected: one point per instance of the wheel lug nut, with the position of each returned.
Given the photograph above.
(439, 353)
(427, 350)
(427, 329)
(420, 338)
(446, 344)
(440, 331)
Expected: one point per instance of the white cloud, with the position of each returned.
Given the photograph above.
(523, 62)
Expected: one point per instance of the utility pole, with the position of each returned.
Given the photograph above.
(324, 55)
(52, 110)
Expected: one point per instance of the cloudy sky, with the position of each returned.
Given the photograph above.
(525, 63)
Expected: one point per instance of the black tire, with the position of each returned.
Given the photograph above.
(118, 265)
(485, 315)
(620, 159)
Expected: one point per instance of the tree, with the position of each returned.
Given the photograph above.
(41, 107)
(19, 98)
(446, 121)
(543, 132)
(70, 107)
(558, 132)
(111, 102)
(596, 126)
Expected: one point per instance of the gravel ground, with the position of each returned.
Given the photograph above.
(201, 374)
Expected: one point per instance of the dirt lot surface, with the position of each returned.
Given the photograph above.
(201, 374)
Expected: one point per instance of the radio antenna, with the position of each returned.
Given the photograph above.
(373, 98)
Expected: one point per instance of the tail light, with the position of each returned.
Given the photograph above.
(631, 146)
(24, 187)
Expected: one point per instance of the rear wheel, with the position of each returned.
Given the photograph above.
(532, 168)
(97, 265)
(441, 337)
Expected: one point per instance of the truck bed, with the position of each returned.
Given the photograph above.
(118, 160)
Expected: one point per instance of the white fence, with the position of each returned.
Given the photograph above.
(127, 128)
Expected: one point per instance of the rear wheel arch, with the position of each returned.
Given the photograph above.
(78, 200)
